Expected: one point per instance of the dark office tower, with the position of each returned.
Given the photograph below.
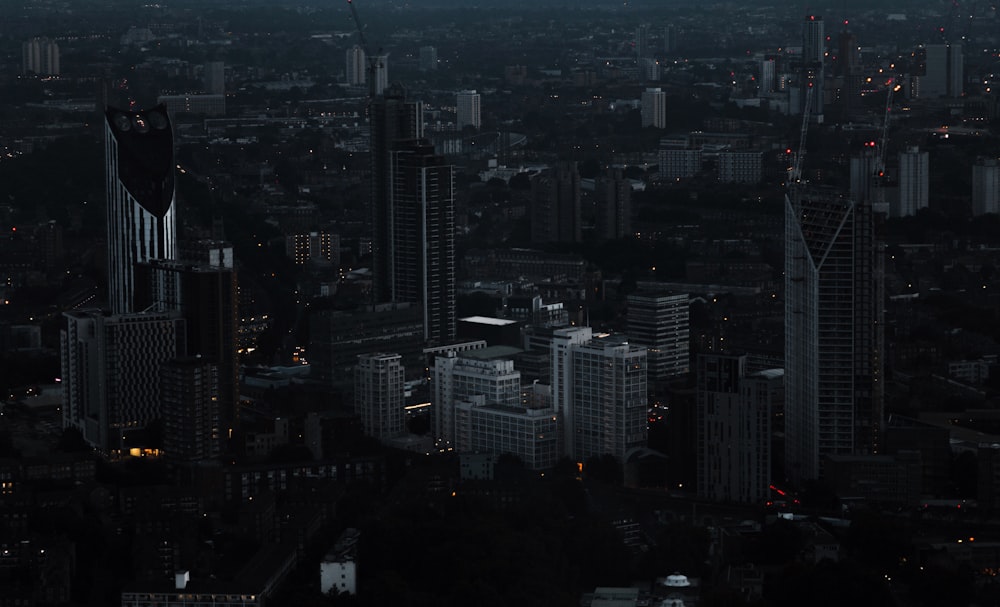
(642, 43)
(847, 72)
(422, 248)
(139, 165)
(811, 70)
(206, 297)
(614, 205)
(833, 332)
(189, 409)
(669, 39)
(555, 208)
(393, 119)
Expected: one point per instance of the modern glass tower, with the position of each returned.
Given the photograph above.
(833, 331)
(139, 159)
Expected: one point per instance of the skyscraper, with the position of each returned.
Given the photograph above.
(393, 119)
(555, 208)
(139, 159)
(913, 182)
(356, 66)
(379, 382)
(215, 77)
(811, 68)
(468, 110)
(422, 249)
(381, 74)
(833, 331)
(944, 71)
(654, 108)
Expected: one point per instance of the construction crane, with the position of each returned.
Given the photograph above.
(795, 173)
(372, 62)
(882, 148)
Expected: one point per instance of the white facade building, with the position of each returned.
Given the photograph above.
(379, 385)
(356, 68)
(654, 108)
(470, 377)
(468, 111)
(661, 323)
(679, 163)
(913, 182)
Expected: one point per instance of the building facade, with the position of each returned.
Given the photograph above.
(356, 66)
(379, 386)
(614, 205)
(660, 322)
(555, 205)
(468, 111)
(141, 208)
(654, 108)
(475, 378)
(40, 56)
(985, 186)
(189, 409)
(833, 332)
(913, 182)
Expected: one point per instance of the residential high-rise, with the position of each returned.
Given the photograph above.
(381, 74)
(654, 108)
(40, 56)
(913, 182)
(189, 409)
(609, 402)
(468, 110)
(833, 331)
(379, 386)
(428, 59)
(422, 248)
(393, 119)
(734, 428)
(985, 186)
(356, 66)
(555, 208)
(111, 371)
(811, 67)
(642, 49)
(139, 162)
(614, 205)
(206, 298)
(848, 71)
(660, 323)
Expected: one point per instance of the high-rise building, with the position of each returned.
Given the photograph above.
(381, 74)
(532, 435)
(111, 371)
(985, 186)
(660, 323)
(468, 110)
(614, 205)
(913, 182)
(944, 71)
(734, 428)
(555, 208)
(422, 249)
(654, 108)
(848, 72)
(189, 409)
(811, 68)
(356, 66)
(139, 162)
(393, 119)
(642, 50)
(428, 59)
(40, 56)
(379, 387)
(833, 332)
(215, 77)
(669, 39)
(609, 403)
(316, 246)
(206, 298)
(768, 75)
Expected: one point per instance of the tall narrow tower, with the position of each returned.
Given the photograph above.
(139, 159)
(393, 119)
(811, 70)
(422, 246)
(833, 331)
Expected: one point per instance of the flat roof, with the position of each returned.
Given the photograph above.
(488, 320)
